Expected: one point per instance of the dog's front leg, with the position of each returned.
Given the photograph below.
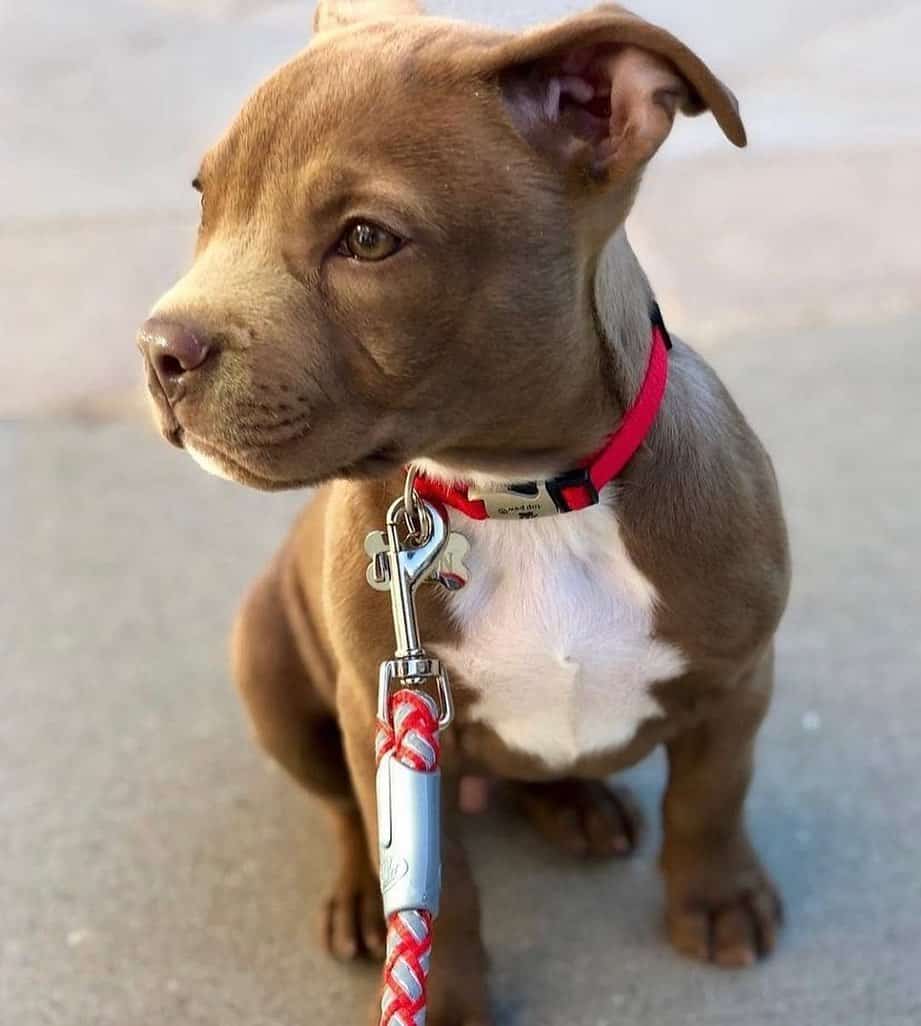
(458, 991)
(722, 906)
(457, 986)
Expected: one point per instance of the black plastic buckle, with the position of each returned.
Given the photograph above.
(572, 479)
(658, 321)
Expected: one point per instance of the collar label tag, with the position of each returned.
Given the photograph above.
(518, 502)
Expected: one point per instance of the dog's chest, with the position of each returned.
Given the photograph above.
(556, 635)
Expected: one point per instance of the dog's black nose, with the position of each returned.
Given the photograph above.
(171, 350)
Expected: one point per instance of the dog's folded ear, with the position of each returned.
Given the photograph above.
(601, 89)
(332, 14)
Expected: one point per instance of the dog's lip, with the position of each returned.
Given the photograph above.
(374, 463)
(238, 469)
(169, 426)
(173, 433)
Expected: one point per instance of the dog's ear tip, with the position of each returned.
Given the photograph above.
(739, 136)
(729, 121)
(736, 133)
(729, 118)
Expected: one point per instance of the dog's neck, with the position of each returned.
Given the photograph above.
(623, 299)
(618, 302)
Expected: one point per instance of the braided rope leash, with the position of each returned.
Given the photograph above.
(410, 744)
(417, 546)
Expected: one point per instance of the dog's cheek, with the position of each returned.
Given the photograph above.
(398, 312)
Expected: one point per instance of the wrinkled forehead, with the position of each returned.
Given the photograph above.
(394, 93)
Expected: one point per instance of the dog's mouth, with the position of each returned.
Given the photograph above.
(232, 467)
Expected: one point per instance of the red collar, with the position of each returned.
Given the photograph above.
(577, 489)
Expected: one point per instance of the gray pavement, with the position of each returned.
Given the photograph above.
(156, 869)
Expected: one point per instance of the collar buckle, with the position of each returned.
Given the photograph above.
(561, 488)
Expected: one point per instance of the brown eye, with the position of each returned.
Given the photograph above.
(365, 240)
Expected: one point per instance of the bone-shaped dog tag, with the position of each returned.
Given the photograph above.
(378, 573)
(450, 571)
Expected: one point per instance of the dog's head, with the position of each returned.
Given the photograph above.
(398, 238)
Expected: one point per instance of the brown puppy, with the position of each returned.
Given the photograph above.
(412, 250)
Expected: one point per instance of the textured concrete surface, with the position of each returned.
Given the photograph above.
(156, 869)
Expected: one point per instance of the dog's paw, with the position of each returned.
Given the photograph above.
(457, 1015)
(460, 1016)
(459, 999)
(730, 919)
(456, 997)
(583, 817)
(352, 920)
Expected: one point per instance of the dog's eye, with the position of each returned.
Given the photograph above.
(365, 240)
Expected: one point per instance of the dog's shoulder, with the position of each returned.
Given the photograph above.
(702, 505)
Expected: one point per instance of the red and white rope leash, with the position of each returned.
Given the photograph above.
(414, 548)
(412, 741)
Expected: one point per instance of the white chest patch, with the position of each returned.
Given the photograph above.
(556, 635)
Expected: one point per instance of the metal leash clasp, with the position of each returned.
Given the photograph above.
(401, 564)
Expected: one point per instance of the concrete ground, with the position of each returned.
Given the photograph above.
(154, 867)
